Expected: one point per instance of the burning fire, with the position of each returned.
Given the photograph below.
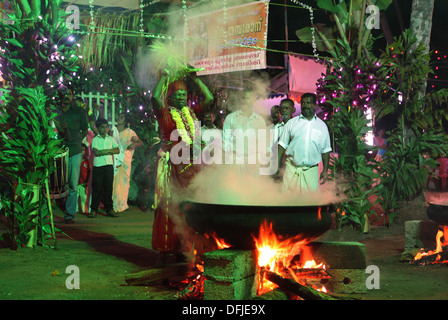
(194, 284)
(439, 248)
(276, 255)
(220, 242)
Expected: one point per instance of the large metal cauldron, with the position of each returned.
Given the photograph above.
(437, 213)
(237, 223)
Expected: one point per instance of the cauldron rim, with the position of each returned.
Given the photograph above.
(436, 204)
(261, 205)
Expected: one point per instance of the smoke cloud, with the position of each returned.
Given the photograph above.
(238, 185)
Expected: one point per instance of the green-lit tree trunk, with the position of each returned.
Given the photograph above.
(421, 25)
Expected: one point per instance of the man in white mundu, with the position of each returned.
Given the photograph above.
(305, 141)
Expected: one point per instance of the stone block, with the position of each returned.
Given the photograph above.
(229, 265)
(336, 255)
(420, 234)
(243, 289)
(346, 281)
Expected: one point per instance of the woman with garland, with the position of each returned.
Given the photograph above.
(169, 230)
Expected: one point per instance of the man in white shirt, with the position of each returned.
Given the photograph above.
(305, 141)
(104, 147)
(241, 132)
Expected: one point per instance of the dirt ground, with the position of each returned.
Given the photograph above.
(106, 249)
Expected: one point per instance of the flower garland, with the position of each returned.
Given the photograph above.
(182, 119)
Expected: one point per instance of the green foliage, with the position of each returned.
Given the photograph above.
(27, 142)
(27, 149)
(348, 26)
(357, 81)
(404, 169)
(406, 62)
(347, 89)
(353, 171)
(37, 52)
(419, 136)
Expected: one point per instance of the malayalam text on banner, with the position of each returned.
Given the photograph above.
(228, 40)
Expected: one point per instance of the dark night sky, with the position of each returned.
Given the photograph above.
(398, 17)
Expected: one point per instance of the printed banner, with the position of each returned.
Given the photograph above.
(228, 40)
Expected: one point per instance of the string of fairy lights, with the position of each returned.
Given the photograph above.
(439, 78)
(184, 7)
(313, 31)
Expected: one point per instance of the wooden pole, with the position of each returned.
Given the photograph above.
(50, 209)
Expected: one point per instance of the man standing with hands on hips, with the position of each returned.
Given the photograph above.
(305, 141)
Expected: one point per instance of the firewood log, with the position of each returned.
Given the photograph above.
(289, 285)
(146, 277)
(311, 273)
(432, 258)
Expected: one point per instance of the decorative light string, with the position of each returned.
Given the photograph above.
(224, 12)
(184, 9)
(266, 24)
(313, 31)
(141, 17)
(92, 16)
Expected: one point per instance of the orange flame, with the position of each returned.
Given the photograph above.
(276, 255)
(439, 248)
(220, 242)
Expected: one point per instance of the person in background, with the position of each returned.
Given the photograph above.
(83, 185)
(305, 141)
(287, 109)
(285, 112)
(73, 124)
(238, 125)
(275, 124)
(380, 141)
(91, 131)
(275, 115)
(128, 140)
(103, 147)
(211, 137)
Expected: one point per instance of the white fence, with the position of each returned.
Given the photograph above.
(108, 105)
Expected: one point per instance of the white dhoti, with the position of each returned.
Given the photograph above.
(299, 179)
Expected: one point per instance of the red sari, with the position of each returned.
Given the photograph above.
(169, 228)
